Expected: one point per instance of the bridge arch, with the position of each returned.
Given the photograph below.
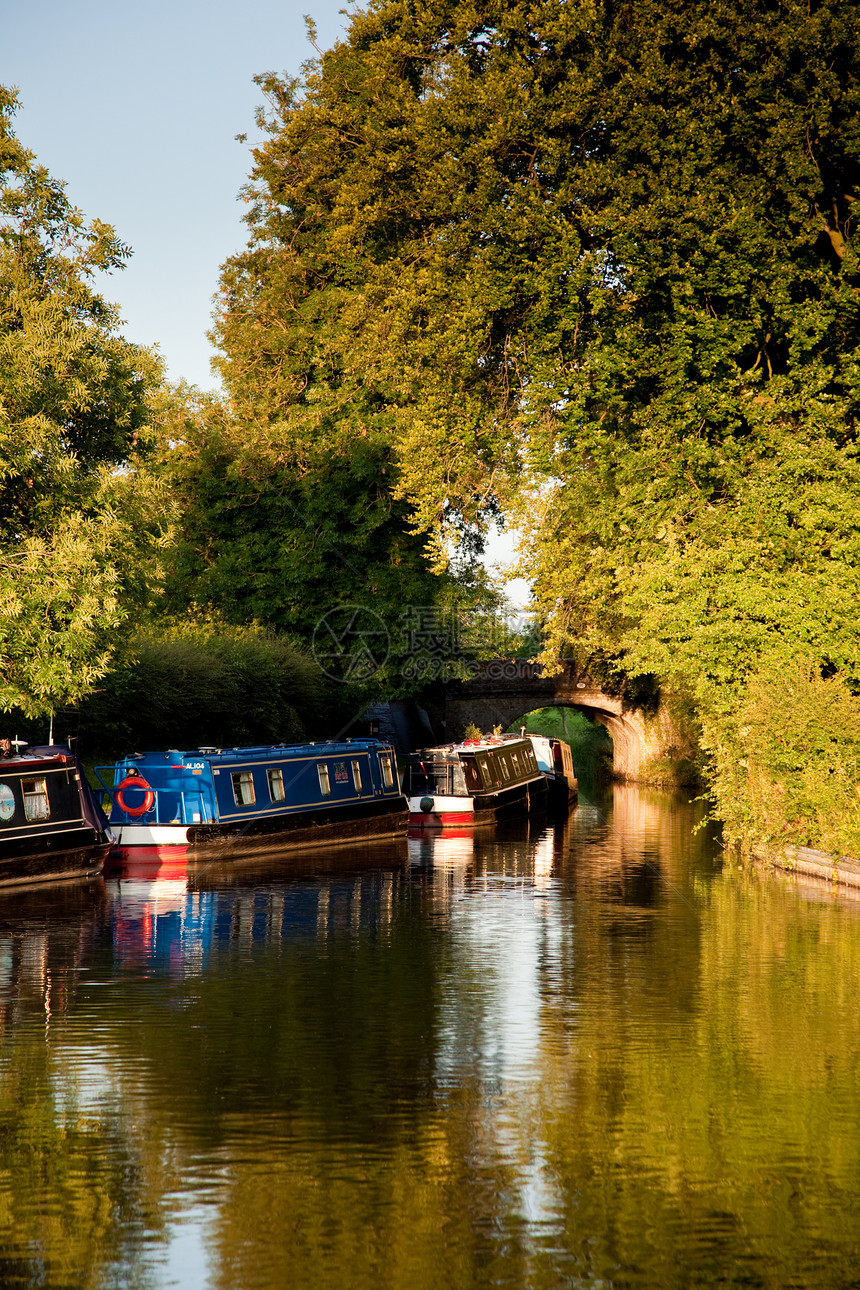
(506, 689)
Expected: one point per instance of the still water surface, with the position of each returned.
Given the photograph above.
(587, 1055)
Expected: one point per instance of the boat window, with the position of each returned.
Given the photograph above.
(356, 775)
(516, 761)
(473, 775)
(7, 803)
(387, 772)
(243, 788)
(35, 799)
(325, 783)
(276, 784)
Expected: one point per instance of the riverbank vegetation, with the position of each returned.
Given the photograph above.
(593, 269)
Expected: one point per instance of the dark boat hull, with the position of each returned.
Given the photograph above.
(361, 822)
(561, 793)
(51, 827)
(54, 860)
(519, 799)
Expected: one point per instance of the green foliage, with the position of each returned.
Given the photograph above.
(788, 762)
(202, 687)
(595, 265)
(267, 538)
(79, 516)
(290, 497)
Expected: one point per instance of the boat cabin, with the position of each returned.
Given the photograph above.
(227, 785)
(474, 767)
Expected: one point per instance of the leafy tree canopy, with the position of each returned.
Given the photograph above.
(594, 264)
(77, 516)
(271, 538)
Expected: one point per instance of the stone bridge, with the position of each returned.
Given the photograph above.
(506, 689)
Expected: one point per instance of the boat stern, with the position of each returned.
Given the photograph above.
(437, 811)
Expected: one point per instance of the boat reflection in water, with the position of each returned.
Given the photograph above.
(452, 849)
(47, 943)
(523, 851)
(175, 913)
(557, 1059)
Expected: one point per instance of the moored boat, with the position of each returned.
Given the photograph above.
(218, 802)
(51, 826)
(555, 761)
(473, 782)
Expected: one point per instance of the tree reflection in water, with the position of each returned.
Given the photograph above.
(581, 1054)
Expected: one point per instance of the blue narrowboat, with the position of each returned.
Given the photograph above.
(51, 826)
(217, 802)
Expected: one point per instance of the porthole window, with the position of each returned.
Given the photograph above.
(7, 803)
(473, 775)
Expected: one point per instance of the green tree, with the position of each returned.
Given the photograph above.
(196, 685)
(272, 537)
(300, 496)
(593, 264)
(76, 521)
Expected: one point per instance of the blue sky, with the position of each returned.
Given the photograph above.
(136, 107)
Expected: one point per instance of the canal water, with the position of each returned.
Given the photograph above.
(594, 1054)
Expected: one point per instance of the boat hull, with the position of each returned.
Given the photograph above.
(444, 812)
(51, 860)
(51, 827)
(360, 822)
(561, 792)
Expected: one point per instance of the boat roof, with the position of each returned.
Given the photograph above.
(26, 757)
(261, 752)
(487, 743)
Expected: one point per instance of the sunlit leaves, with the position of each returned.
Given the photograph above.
(78, 517)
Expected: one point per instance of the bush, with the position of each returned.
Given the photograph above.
(225, 689)
(787, 763)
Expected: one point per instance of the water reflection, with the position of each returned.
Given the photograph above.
(570, 1054)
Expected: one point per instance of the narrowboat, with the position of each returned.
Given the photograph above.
(555, 761)
(51, 826)
(219, 802)
(473, 782)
